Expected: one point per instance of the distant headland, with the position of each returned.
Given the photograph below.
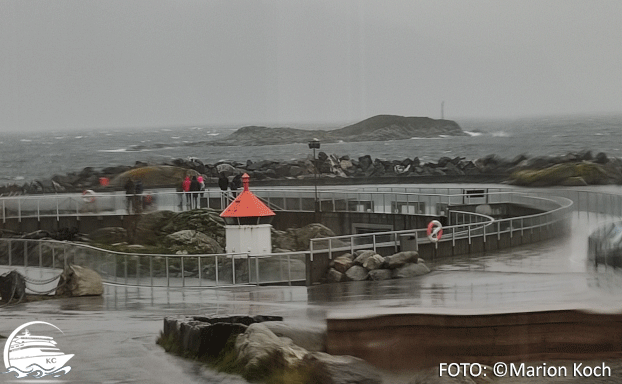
(377, 128)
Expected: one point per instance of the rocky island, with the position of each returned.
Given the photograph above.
(377, 128)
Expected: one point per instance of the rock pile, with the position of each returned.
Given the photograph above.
(580, 168)
(259, 346)
(368, 265)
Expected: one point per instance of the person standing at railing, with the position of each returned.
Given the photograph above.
(223, 183)
(138, 196)
(186, 188)
(195, 187)
(130, 189)
(201, 189)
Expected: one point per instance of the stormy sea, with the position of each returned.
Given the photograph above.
(37, 155)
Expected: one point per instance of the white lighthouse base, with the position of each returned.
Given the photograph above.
(254, 239)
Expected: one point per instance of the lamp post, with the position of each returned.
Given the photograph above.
(315, 144)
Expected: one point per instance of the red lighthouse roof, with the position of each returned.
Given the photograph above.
(247, 204)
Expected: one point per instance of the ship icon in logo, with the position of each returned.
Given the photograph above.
(36, 356)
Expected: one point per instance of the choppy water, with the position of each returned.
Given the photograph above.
(26, 157)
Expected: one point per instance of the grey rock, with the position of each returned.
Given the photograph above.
(410, 270)
(362, 256)
(357, 273)
(311, 338)
(342, 263)
(380, 274)
(373, 262)
(193, 241)
(400, 259)
(341, 369)
(334, 276)
(80, 281)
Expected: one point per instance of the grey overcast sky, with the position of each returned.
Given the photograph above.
(139, 63)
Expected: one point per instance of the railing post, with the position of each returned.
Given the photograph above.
(168, 281)
(40, 256)
(289, 270)
(216, 264)
(199, 266)
(183, 276)
(138, 270)
(256, 270)
(10, 254)
(25, 253)
(151, 270)
(125, 262)
(233, 269)
(311, 249)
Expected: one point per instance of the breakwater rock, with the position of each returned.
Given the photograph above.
(368, 265)
(580, 168)
(261, 347)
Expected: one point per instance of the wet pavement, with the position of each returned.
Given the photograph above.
(113, 337)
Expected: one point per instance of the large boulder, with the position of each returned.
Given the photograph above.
(80, 281)
(312, 338)
(193, 242)
(259, 343)
(410, 270)
(380, 274)
(334, 276)
(341, 369)
(343, 263)
(298, 239)
(205, 220)
(148, 228)
(373, 262)
(357, 273)
(363, 256)
(401, 258)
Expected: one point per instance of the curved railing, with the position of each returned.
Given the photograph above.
(473, 226)
(200, 270)
(166, 270)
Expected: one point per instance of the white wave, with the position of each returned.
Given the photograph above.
(213, 134)
(500, 134)
(59, 137)
(113, 150)
(17, 178)
(26, 140)
(443, 136)
(599, 134)
(78, 137)
(175, 137)
(473, 133)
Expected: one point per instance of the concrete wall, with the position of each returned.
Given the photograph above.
(411, 341)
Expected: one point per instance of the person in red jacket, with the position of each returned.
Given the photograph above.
(185, 186)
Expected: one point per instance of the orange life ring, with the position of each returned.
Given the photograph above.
(435, 231)
(88, 196)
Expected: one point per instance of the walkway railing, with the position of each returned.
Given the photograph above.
(216, 270)
(205, 270)
(467, 225)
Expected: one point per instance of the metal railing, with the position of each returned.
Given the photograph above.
(466, 225)
(141, 269)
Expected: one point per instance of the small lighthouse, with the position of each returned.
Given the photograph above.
(247, 222)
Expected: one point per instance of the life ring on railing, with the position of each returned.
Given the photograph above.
(435, 231)
(88, 196)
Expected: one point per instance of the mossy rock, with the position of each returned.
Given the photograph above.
(154, 176)
(563, 174)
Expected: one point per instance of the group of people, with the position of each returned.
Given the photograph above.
(193, 189)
